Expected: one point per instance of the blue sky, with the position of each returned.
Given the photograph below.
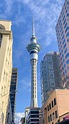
(20, 12)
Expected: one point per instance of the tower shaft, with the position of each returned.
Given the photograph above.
(34, 102)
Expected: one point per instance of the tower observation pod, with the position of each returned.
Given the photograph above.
(33, 48)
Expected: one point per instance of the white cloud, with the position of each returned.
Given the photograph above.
(9, 7)
(18, 117)
(19, 18)
(48, 42)
(26, 1)
(45, 12)
(42, 9)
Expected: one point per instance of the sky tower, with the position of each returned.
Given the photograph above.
(33, 48)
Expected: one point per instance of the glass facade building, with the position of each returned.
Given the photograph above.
(13, 91)
(50, 74)
(62, 32)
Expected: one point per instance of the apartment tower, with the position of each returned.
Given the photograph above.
(49, 74)
(5, 67)
(33, 48)
(62, 32)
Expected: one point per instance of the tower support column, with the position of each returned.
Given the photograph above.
(34, 102)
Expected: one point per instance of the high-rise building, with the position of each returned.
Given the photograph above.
(5, 67)
(62, 32)
(50, 74)
(13, 89)
(33, 48)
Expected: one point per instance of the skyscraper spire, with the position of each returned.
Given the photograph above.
(33, 38)
(33, 28)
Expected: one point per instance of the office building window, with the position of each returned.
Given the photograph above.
(67, 2)
(67, 55)
(50, 117)
(52, 104)
(65, 50)
(49, 106)
(68, 68)
(52, 122)
(67, 29)
(68, 40)
(53, 115)
(67, 62)
(0, 39)
(64, 45)
(54, 101)
(67, 34)
(8, 117)
(65, 25)
(56, 114)
(63, 41)
(2, 27)
(68, 14)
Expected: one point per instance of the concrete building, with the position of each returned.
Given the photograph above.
(33, 48)
(50, 75)
(62, 32)
(5, 67)
(13, 88)
(56, 107)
